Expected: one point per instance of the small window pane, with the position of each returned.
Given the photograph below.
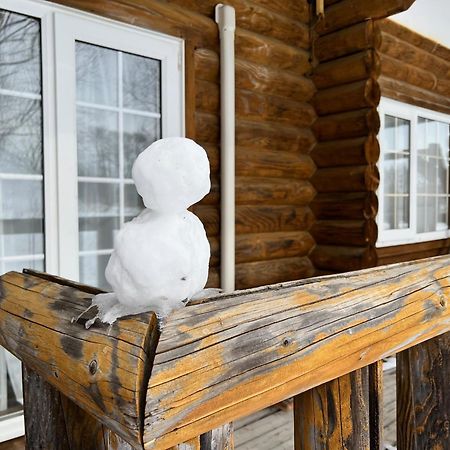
(20, 53)
(97, 143)
(141, 83)
(92, 270)
(139, 133)
(389, 133)
(20, 135)
(133, 202)
(99, 215)
(442, 214)
(402, 213)
(389, 213)
(97, 74)
(402, 172)
(396, 173)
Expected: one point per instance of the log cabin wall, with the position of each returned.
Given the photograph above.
(414, 70)
(346, 69)
(274, 119)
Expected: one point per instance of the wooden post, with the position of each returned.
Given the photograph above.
(53, 422)
(423, 397)
(334, 415)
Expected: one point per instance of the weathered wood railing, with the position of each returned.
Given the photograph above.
(320, 340)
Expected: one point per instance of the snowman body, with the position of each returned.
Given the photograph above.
(160, 258)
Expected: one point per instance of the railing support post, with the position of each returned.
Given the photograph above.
(335, 414)
(423, 397)
(53, 422)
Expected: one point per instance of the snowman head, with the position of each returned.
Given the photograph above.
(172, 174)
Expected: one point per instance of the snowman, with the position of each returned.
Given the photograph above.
(160, 258)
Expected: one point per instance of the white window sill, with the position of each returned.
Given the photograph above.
(12, 426)
(415, 239)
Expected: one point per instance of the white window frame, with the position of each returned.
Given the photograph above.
(409, 235)
(60, 28)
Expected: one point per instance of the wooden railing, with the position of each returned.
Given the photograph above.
(320, 340)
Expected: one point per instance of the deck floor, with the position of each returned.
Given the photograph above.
(272, 429)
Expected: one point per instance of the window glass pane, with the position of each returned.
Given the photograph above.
(99, 215)
(20, 135)
(139, 133)
(133, 202)
(433, 172)
(118, 116)
(21, 185)
(92, 270)
(20, 53)
(396, 173)
(97, 142)
(141, 83)
(389, 213)
(97, 74)
(401, 213)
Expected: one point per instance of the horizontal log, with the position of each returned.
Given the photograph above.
(346, 179)
(253, 106)
(418, 40)
(267, 246)
(413, 95)
(273, 191)
(415, 56)
(348, 12)
(106, 367)
(351, 233)
(297, 336)
(410, 252)
(263, 50)
(347, 69)
(347, 97)
(258, 273)
(291, 8)
(401, 71)
(262, 107)
(213, 197)
(206, 63)
(359, 37)
(347, 152)
(262, 79)
(361, 122)
(345, 206)
(258, 218)
(258, 135)
(273, 136)
(251, 16)
(336, 258)
(273, 164)
(157, 16)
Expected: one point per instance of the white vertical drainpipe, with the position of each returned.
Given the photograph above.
(226, 21)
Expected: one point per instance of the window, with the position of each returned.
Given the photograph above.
(414, 170)
(80, 97)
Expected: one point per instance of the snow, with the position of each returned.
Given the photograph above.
(172, 174)
(160, 258)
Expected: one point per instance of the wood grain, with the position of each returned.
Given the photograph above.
(423, 400)
(205, 373)
(347, 12)
(345, 206)
(107, 369)
(334, 415)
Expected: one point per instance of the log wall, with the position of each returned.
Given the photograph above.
(274, 118)
(346, 70)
